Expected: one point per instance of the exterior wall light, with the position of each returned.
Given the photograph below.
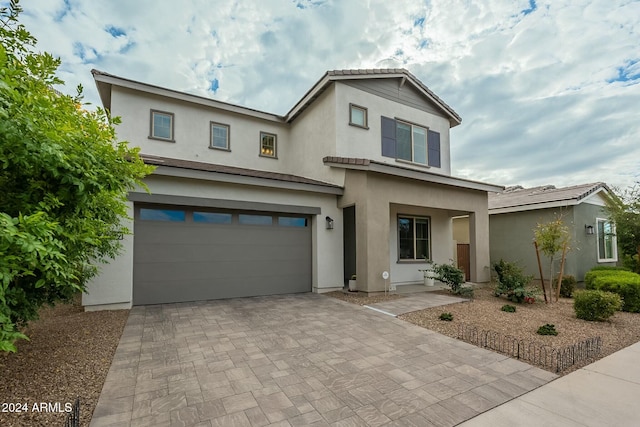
(588, 229)
(329, 223)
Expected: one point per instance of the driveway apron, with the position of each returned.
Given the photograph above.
(298, 360)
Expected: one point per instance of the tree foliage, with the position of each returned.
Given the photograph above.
(624, 209)
(64, 181)
(552, 238)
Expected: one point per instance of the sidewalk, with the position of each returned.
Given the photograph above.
(605, 393)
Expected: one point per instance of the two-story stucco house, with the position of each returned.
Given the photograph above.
(354, 179)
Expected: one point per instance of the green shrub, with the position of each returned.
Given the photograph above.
(512, 282)
(446, 317)
(547, 329)
(601, 270)
(508, 308)
(453, 277)
(622, 282)
(567, 286)
(595, 305)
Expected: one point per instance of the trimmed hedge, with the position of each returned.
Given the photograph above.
(595, 305)
(619, 281)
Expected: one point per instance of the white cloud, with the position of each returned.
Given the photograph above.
(548, 94)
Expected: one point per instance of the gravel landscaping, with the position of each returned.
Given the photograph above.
(68, 356)
(483, 312)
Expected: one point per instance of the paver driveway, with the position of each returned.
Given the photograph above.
(297, 360)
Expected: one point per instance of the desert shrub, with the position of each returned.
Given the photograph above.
(596, 305)
(453, 277)
(446, 317)
(547, 329)
(508, 308)
(512, 282)
(622, 282)
(567, 286)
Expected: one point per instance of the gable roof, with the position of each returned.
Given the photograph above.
(104, 81)
(376, 73)
(517, 198)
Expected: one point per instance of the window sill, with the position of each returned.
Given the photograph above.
(602, 261)
(268, 157)
(355, 125)
(220, 149)
(155, 138)
(422, 165)
(412, 261)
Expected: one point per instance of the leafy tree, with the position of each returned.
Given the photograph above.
(64, 181)
(624, 209)
(551, 238)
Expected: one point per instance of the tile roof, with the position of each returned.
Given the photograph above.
(522, 197)
(231, 170)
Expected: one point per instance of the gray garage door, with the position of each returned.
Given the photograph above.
(190, 254)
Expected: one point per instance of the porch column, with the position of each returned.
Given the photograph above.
(480, 264)
(377, 251)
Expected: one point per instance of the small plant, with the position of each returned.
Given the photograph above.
(452, 277)
(353, 277)
(596, 305)
(512, 282)
(567, 286)
(508, 308)
(448, 317)
(547, 329)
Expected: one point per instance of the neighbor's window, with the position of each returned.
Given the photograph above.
(219, 136)
(161, 125)
(413, 238)
(268, 144)
(358, 116)
(607, 244)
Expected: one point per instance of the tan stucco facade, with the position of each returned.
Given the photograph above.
(379, 197)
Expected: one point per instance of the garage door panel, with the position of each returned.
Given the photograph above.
(186, 261)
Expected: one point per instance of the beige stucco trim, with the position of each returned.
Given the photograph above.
(378, 196)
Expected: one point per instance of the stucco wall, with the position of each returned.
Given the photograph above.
(113, 287)
(353, 141)
(192, 132)
(376, 196)
(512, 238)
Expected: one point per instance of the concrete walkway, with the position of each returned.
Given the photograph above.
(298, 360)
(605, 393)
(414, 302)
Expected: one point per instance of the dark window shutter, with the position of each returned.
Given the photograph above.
(433, 142)
(388, 137)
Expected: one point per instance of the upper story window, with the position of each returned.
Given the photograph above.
(268, 144)
(219, 136)
(161, 125)
(358, 116)
(607, 243)
(413, 143)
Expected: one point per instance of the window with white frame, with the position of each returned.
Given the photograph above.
(411, 142)
(161, 125)
(413, 238)
(219, 136)
(268, 144)
(358, 116)
(607, 243)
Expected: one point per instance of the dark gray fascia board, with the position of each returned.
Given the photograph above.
(164, 199)
(246, 180)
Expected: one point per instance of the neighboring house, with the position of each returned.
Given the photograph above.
(354, 179)
(515, 213)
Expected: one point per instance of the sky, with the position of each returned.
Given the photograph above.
(548, 91)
